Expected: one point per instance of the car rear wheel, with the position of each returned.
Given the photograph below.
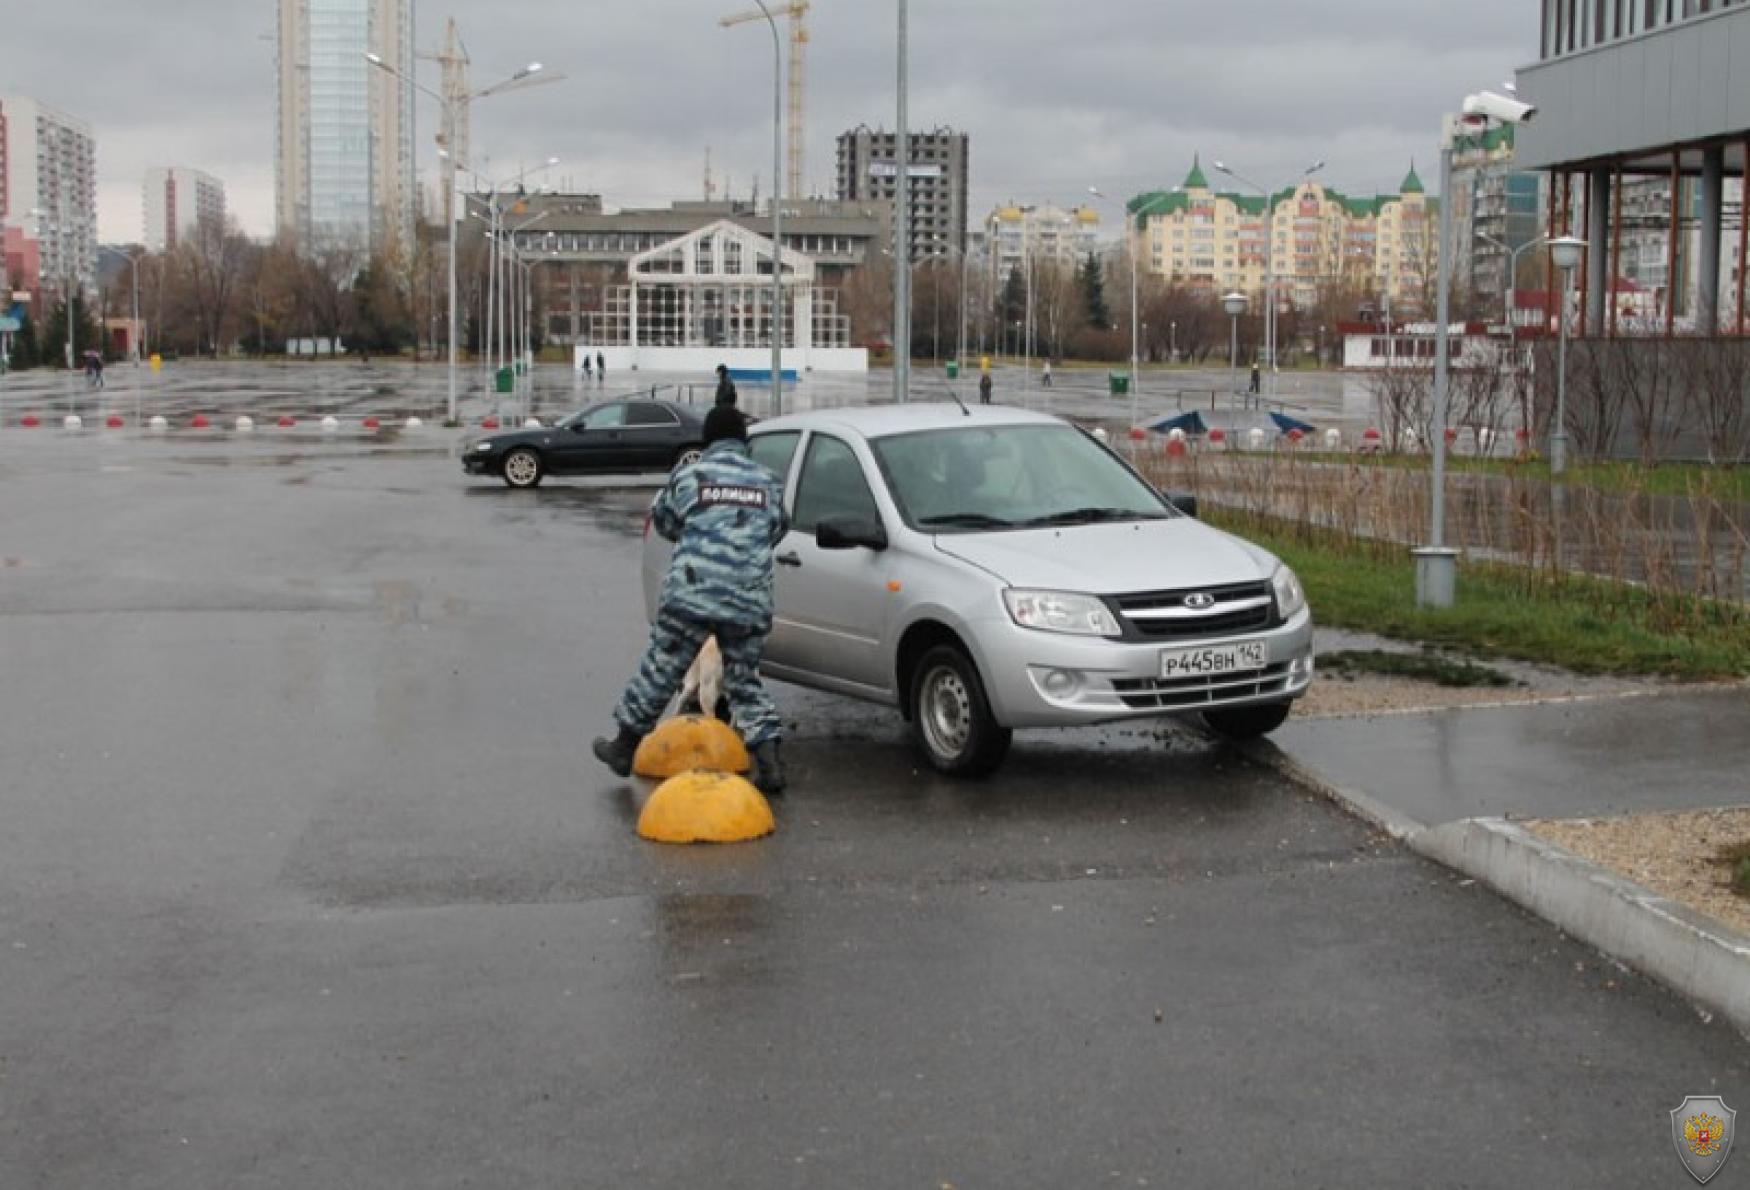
(687, 456)
(951, 721)
(1247, 723)
(522, 468)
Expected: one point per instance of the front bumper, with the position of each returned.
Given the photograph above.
(481, 463)
(1045, 679)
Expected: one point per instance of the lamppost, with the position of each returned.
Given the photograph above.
(1436, 565)
(494, 222)
(1135, 365)
(1235, 305)
(1566, 252)
(902, 224)
(777, 211)
(1269, 197)
(1173, 341)
(452, 105)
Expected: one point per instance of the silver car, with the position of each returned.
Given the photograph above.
(988, 569)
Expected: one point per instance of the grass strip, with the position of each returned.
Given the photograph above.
(1576, 622)
(1728, 484)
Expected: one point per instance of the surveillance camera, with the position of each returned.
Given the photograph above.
(1499, 107)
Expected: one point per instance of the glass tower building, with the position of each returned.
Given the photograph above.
(345, 139)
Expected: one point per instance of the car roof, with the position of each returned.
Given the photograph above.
(881, 421)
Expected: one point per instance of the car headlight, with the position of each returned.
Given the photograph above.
(1290, 599)
(1061, 611)
(483, 446)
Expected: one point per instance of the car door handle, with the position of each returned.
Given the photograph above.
(790, 559)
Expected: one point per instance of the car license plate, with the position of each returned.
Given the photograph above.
(1214, 660)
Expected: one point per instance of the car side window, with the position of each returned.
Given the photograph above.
(832, 486)
(608, 417)
(645, 413)
(774, 451)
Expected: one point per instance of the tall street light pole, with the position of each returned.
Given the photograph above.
(902, 228)
(1269, 197)
(1135, 361)
(452, 106)
(1235, 305)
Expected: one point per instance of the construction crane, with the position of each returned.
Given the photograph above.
(796, 125)
(454, 60)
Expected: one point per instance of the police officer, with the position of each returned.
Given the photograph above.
(725, 514)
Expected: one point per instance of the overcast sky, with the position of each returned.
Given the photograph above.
(1056, 95)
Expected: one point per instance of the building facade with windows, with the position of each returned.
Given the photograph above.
(1643, 126)
(1496, 212)
(1313, 236)
(48, 196)
(868, 172)
(1022, 235)
(177, 201)
(345, 163)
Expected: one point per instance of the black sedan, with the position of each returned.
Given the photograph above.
(619, 436)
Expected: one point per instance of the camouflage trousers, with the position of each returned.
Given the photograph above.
(674, 642)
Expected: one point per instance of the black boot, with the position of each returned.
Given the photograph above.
(617, 753)
(769, 770)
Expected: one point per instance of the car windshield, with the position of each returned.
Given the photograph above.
(1010, 477)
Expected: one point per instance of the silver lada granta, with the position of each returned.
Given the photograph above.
(991, 569)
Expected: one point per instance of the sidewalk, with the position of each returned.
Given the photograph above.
(1448, 783)
(1591, 757)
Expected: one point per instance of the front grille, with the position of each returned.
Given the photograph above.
(1239, 608)
(1156, 694)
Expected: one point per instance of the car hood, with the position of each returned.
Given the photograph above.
(531, 437)
(1113, 559)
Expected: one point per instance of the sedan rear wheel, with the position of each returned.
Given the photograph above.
(951, 720)
(522, 468)
(687, 456)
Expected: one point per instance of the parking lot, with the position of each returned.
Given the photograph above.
(309, 879)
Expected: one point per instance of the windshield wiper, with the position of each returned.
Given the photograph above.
(1088, 516)
(965, 520)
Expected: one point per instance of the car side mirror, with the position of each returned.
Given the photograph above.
(849, 533)
(1185, 502)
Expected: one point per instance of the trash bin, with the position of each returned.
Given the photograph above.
(506, 380)
(953, 369)
(1118, 383)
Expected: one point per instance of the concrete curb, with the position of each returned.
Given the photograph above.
(1693, 955)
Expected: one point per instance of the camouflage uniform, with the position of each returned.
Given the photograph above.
(725, 513)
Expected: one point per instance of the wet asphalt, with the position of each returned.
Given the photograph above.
(307, 878)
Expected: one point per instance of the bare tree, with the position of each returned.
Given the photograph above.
(213, 261)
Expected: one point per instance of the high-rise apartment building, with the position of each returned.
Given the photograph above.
(868, 171)
(1496, 212)
(345, 135)
(177, 202)
(1017, 235)
(48, 191)
(1310, 236)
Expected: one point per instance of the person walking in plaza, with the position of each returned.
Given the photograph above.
(725, 514)
(587, 368)
(601, 368)
(726, 394)
(1045, 378)
(1257, 376)
(94, 369)
(984, 389)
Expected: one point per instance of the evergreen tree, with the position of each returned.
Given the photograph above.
(1093, 280)
(52, 343)
(1012, 305)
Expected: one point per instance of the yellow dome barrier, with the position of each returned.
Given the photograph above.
(689, 742)
(705, 807)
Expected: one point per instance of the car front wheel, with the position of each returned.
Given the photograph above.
(522, 468)
(687, 456)
(1247, 723)
(951, 720)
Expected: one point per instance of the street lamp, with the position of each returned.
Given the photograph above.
(1235, 305)
(1269, 197)
(777, 210)
(451, 106)
(902, 221)
(1436, 565)
(1566, 252)
(1130, 251)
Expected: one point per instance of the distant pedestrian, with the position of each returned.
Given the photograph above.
(984, 389)
(1045, 379)
(94, 369)
(726, 394)
(587, 367)
(1256, 378)
(601, 368)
